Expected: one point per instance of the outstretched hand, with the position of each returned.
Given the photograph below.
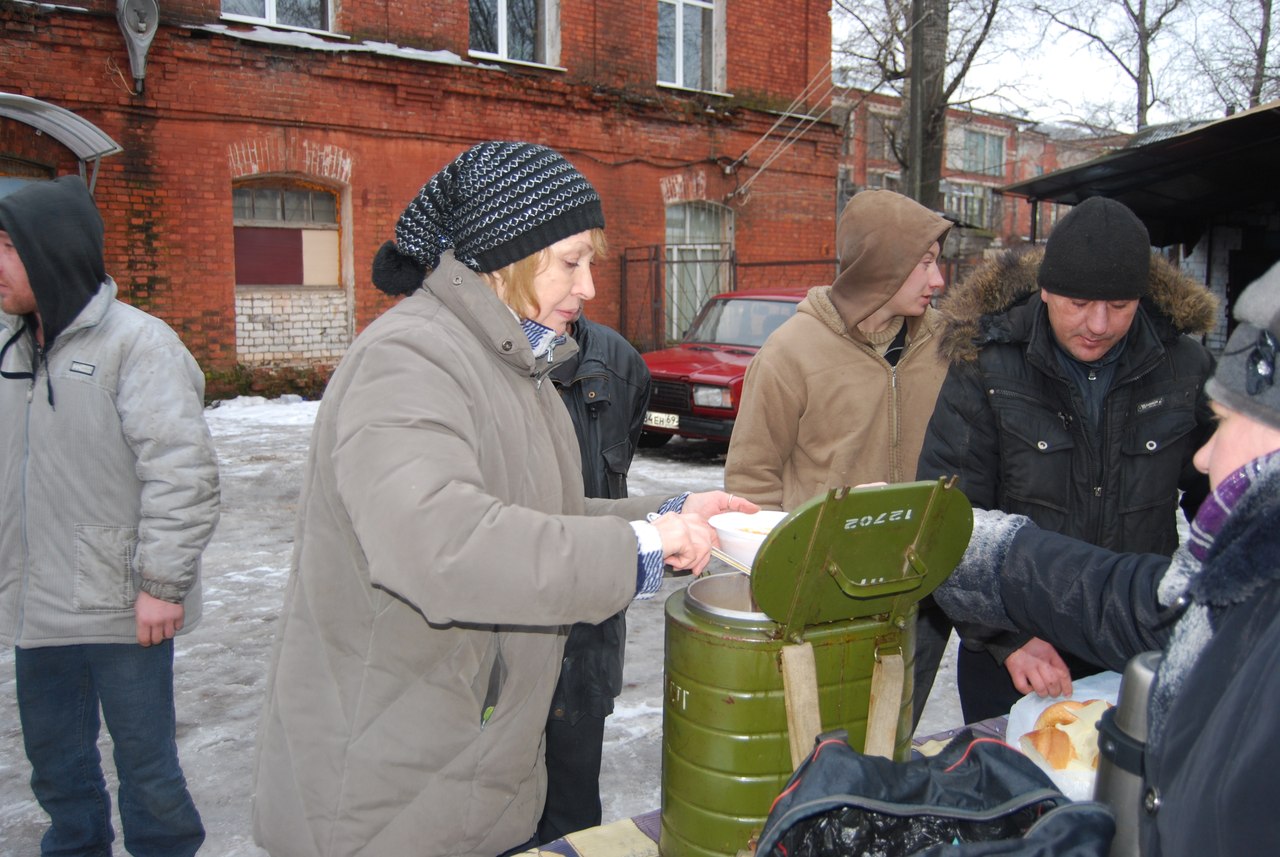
(708, 503)
(687, 540)
(1038, 666)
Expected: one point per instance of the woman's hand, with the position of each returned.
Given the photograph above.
(708, 503)
(687, 540)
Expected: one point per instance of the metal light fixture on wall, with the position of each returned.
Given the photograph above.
(139, 20)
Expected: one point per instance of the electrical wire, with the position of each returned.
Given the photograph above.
(780, 148)
(790, 111)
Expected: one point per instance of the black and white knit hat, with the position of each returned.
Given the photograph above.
(497, 203)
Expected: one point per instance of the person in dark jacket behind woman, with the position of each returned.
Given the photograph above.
(1213, 748)
(606, 389)
(1074, 398)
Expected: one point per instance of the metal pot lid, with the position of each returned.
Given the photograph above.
(860, 552)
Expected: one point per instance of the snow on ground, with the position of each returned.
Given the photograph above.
(221, 665)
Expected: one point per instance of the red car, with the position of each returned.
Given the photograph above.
(697, 384)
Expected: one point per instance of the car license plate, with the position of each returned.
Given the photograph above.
(658, 419)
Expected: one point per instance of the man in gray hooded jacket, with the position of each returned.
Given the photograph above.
(108, 496)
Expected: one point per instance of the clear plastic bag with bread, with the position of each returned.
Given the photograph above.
(1060, 734)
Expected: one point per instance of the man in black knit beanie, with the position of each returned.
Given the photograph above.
(1074, 398)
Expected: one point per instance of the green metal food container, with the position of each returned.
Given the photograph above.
(843, 573)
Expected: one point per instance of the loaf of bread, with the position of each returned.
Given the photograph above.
(1066, 735)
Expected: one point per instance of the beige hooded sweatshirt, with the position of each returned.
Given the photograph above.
(821, 408)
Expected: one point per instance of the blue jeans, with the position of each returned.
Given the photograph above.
(60, 689)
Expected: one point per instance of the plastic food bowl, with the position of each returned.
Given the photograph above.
(741, 534)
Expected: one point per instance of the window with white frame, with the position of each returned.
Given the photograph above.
(968, 203)
(305, 14)
(689, 51)
(977, 152)
(520, 30)
(699, 240)
(887, 181)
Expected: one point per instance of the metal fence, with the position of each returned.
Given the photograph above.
(662, 289)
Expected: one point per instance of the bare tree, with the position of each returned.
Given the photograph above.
(1126, 31)
(875, 53)
(1230, 54)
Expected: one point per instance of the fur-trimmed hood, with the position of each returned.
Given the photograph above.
(998, 303)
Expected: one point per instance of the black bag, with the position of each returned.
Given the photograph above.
(977, 797)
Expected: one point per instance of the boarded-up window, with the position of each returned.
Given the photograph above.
(285, 236)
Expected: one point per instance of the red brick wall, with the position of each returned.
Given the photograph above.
(213, 104)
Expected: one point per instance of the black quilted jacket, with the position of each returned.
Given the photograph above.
(606, 388)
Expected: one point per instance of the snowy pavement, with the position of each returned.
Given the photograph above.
(221, 666)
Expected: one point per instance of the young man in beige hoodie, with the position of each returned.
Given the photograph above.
(841, 394)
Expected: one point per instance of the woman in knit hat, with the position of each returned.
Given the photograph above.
(1213, 746)
(443, 542)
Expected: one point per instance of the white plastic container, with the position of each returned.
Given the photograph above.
(741, 534)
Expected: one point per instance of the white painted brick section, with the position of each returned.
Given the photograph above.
(291, 327)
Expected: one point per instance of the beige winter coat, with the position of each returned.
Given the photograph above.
(820, 407)
(441, 546)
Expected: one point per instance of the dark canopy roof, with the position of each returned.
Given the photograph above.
(1178, 183)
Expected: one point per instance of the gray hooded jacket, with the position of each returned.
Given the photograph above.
(108, 475)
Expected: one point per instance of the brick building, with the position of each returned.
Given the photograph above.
(984, 152)
(266, 149)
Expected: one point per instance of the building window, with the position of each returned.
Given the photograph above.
(970, 204)
(699, 241)
(293, 297)
(520, 30)
(285, 235)
(689, 52)
(845, 188)
(887, 181)
(305, 14)
(880, 137)
(978, 152)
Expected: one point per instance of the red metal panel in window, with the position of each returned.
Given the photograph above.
(268, 257)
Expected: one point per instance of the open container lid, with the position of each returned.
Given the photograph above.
(860, 552)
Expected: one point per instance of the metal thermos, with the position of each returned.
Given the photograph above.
(1122, 740)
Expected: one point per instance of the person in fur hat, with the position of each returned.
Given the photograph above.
(1213, 610)
(1074, 398)
(444, 544)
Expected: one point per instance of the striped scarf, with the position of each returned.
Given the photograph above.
(542, 339)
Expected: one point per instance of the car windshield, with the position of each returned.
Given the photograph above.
(739, 321)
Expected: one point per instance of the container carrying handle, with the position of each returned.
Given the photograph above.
(887, 677)
(800, 698)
